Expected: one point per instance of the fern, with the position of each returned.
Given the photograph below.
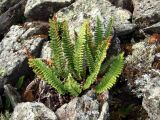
(109, 28)
(47, 74)
(57, 53)
(100, 57)
(67, 45)
(86, 55)
(110, 77)
(79, 50)
(72, 86)
(98, 32)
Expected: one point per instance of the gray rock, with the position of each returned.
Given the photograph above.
(145, 80)
(151, 100)
(12, 15)
(32, 111)
(90, 9)
(43, 9)
(6, 4)
(83, 108)
(46, 51)
(155, 28)
(146, 12)
(14, 48)
(142, 56)
(125, 4)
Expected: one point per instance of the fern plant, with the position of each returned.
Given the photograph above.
(76, 66)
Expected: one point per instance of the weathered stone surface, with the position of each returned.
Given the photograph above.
(143, 79)
(125, 4)
(32, 111)
(43, 9)
(6, 4)
(151, 100)
(83, 108)
(90, 9)
(155, 28)
(11, 16)
(146, 12)
(13, 49)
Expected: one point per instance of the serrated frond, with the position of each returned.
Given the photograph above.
(72, 86)
(98, 32)
(79, 50)
(57, 53)
(67, 45)
(110, 77)
(46, 74)
(99, 59)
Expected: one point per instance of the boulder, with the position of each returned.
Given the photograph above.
(16, 46)
(11, 16)
(146, 12)
(32, 111)
(84, 108)
(6, 4)
(43, 9)
(90, 9)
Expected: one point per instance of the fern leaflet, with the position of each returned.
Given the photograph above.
(110, 77)
(47, 74)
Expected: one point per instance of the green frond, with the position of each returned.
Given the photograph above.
(46, 74)
(109, 28)
(67, 45)
(57, 53)
(89, 48)
(89, 57)
(99, 59)
(79, 50)
(89, 39)
(98, 32)
(72, 86)
(110, 77)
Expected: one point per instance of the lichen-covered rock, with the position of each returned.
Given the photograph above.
(32, 111)
(84, 108)
(6, 4)
(143, 78)
(155, 28)
(43, 9)
(151, 100)
(11, 16)
(14, 48)
(146, 12)
(90, 9)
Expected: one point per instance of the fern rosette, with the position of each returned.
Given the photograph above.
(76, 67)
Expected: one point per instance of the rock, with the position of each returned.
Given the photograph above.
(146, 12)
(151, 100)
(6, 4)
(46, 51)
(32, 111)
(125, 4)
(155, 28)
(18, 42)
(43, 9)
(12, 94)
(143, 79)
(83, 108)
(90, 9)
(12, 15)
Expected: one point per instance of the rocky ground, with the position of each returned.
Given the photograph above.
(24, 31)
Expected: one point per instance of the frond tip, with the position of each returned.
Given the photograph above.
(47, 74)
(110, 77)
